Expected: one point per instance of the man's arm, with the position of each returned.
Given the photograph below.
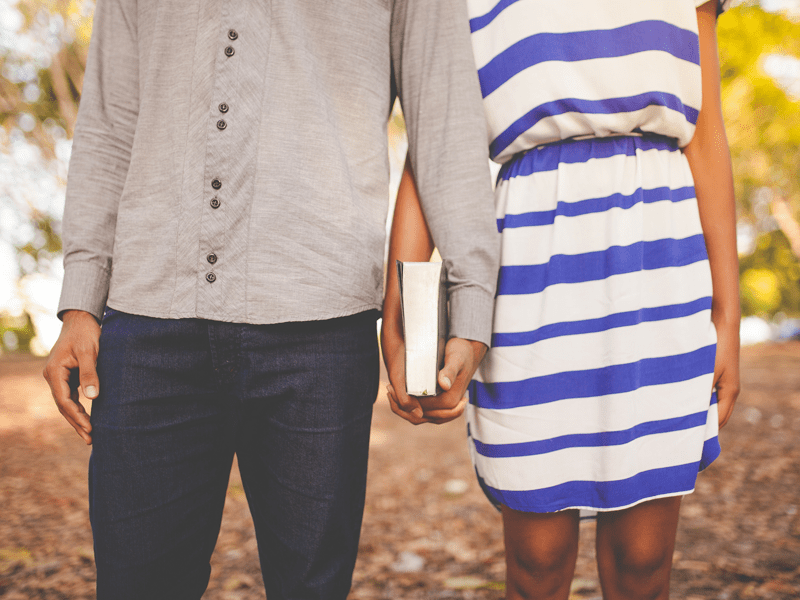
(438, 87)
(101, 154)
(98, 167)
(411, 241)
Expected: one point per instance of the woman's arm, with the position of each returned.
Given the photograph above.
(411, 241)
(710, 162)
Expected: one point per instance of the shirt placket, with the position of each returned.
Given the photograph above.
(218, 267)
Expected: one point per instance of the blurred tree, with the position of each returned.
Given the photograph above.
(43, 47)
(770, 277)
(17, 332)
(762, 119)
(759, 54)
(42, 76)
(43, 55)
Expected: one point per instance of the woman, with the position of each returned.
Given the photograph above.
(617, 306)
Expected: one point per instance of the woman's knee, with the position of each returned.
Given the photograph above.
(640, 570)
(540, 542)
(543, 557)
(540, 571)
(642, 558)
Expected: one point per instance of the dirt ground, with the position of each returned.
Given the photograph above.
(428, 531)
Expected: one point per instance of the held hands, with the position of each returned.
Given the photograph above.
(461, 360)
(72, 364)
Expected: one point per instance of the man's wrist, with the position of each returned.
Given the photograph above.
(85, 288)
(76, 315)
(471, 310)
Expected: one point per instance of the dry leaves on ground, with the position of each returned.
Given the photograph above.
(428, 531)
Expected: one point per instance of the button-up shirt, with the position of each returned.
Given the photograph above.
(230, 158)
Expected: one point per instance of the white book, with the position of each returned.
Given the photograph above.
(423, 301)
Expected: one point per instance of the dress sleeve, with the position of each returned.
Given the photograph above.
(722, 5)
(101, 153)
(437, 82)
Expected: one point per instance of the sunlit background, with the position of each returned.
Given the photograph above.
(43, 47)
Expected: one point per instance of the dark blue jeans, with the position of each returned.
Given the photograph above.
(178, 398)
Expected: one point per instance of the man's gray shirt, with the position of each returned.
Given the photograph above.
(230, 158)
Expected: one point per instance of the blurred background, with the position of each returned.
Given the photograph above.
(428, 531)
(43, 46)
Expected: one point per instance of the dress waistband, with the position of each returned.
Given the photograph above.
(546, 157)
(591, 136)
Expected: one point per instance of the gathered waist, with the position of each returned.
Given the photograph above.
(578, 149)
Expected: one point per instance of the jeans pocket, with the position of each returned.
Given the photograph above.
(108, 313)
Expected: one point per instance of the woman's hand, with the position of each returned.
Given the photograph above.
(462, 358)
(726, 368)
(394, 356)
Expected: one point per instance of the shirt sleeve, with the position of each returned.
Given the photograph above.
(101, 152)
(437, 82)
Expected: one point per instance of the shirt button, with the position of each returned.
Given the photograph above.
(210, 277)
(232, 34)
(221, 124)
(211, 258)
(223, 108)
(216, 183)
(215, 202)
(229, 51)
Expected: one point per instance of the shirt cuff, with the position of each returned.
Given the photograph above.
(471, 310)
(85, 288)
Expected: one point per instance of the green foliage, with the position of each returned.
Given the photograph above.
(16, 333)
(41, 73)
(763, 126)
(770, 277)
(59, 77)
(43, 247)
(762, 120)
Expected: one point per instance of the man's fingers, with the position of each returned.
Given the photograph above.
(444, 401)
(79, 427)
(70, 408)
(412, 417)
(87, 368)
(444, 415)
(72, 365)
(63, 386)
(407, 403)
(453, 365)
(73, 411)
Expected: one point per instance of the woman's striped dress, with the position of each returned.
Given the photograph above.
(597, 391)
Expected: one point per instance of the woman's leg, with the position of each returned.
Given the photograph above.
(634, 550)
(541, 550)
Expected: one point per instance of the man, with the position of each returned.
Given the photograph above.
(225, 223)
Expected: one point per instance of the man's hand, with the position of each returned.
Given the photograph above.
(461, 360)
(72, 363)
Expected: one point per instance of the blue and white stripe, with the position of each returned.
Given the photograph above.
(597, 391)
(557, 70)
